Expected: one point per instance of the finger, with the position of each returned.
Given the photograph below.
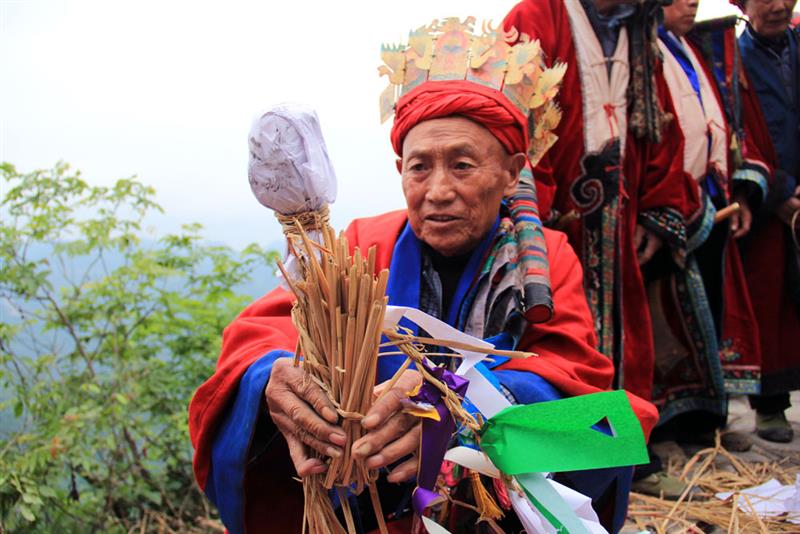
(407, 443)
(735, 223)
(786, 210)
(303, 416)
(745, 218)
(405, 471)
(648, 252)
(391, 402)
(638, 235)
(304, 465)
(290, 428)
(306, 389)
(378, 390)
(375, 440)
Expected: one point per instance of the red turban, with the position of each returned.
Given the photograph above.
(486, 106)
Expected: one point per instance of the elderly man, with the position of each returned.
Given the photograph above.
(461, 147)
(771, 58)
(704, 312)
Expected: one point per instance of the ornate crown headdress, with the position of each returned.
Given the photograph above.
(450, 50)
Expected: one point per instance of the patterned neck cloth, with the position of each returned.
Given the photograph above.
(513, 287)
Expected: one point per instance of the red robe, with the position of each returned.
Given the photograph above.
(567, 360)
(650, 188)
(698, 361)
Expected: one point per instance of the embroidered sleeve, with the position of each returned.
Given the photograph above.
(668, 224)
(752, 178)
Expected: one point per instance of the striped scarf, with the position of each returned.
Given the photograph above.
(513, 287)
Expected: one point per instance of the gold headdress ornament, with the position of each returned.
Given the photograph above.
(450, 50)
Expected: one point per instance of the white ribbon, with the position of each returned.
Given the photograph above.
(485, 397)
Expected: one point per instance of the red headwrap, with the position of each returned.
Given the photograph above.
(488, 107)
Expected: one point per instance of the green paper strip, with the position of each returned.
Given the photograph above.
(558, 435)
(550, 504)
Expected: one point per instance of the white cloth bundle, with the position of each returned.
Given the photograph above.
(289, 169)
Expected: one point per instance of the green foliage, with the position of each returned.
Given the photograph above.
(104, 337)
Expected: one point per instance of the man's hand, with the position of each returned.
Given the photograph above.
(304, 415)
(786, 210)
(651, 242)
(742, 219)
(391, 434)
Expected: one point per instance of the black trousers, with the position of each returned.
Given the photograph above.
(770, 404)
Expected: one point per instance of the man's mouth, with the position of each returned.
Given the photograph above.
(441, 218)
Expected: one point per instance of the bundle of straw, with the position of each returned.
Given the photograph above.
(339, 315)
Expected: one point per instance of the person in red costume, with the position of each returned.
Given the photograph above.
(706, 332)
(612, 180)
(470, 227)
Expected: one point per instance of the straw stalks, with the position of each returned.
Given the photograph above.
(339, 318)
(708, 472)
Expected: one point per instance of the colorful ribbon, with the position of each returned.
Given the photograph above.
(527, 440)
(435, 435)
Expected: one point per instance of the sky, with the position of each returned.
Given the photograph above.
(166, 90)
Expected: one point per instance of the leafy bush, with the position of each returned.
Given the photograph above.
(103, 339)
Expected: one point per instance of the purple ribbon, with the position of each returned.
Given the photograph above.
(435, 435)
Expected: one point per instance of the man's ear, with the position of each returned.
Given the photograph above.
(399, 164)
(514, 165)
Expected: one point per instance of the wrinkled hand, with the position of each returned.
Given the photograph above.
(643, 236)
(786, 210)
(391, 434)
(741, 220)
(304, 415)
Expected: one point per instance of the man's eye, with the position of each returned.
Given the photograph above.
(463, 165)
(416, 167)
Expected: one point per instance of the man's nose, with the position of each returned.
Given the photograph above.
(440, 186)
(779, 7)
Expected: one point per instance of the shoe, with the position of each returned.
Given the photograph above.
(774, 427)
(661, 485)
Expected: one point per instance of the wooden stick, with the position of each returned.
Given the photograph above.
(727, 212)
(566, 219)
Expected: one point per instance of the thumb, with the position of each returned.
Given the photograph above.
(735, 222)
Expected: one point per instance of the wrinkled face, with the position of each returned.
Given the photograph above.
(769, 18)
(455, 173)
(679, 17)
